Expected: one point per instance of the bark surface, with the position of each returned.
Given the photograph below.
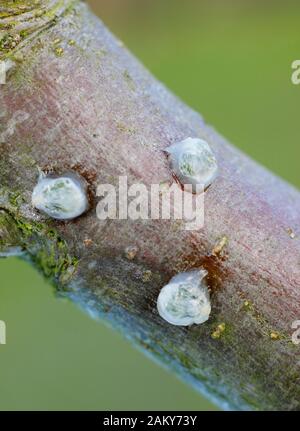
(76, 100)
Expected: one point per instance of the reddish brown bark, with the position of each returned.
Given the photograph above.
(77, 100)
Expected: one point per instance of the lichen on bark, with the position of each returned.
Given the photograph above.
(35, 241)
(20, 20)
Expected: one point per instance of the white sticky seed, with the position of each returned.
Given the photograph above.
(193, 162)
(61, 197)
(185, 300)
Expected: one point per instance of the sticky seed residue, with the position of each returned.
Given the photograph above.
(220, 329)
(266, 327)
(274, 335)
(291, 233)
(185, 300)
(147, 275)
(131, 252)
(88, 242)
(247, 305)
(59, 52)
(61, 197)
(219, 247)
(193, 163)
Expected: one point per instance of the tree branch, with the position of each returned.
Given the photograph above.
(76, 100)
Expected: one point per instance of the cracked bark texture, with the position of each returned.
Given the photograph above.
(77, 100)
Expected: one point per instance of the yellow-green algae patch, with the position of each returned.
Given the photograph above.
(41, 243)
(40, 15)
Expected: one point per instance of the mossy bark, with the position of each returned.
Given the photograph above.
(76, 100)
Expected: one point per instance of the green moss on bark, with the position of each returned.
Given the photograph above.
(40, 243)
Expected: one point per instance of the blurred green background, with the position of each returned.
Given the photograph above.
(230, 60)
